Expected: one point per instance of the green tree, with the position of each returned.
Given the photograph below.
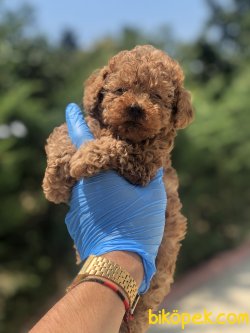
(214, 164)
(31, 239)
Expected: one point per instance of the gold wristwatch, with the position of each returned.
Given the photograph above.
(103, 267)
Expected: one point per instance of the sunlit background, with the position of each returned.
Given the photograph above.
(47, 49)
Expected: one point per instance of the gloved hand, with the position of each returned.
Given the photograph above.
(107, 213)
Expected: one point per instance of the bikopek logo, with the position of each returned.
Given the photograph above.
(164, 317)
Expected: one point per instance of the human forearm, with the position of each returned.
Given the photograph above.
(90, 307)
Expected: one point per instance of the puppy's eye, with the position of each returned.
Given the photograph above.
(157, 96)
(120, 91)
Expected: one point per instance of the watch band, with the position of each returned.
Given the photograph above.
(103, 267)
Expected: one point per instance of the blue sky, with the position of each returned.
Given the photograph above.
(93, 19)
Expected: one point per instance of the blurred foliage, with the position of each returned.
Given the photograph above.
(38, 79)
(215, 178)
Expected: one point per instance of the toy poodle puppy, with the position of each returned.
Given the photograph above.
(134, 107)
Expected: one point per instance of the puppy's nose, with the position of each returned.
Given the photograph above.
(135, 111)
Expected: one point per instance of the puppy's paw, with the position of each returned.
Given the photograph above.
(137, 180)
(79, 168)
(137, 174)
(87, 162)
(83, 171)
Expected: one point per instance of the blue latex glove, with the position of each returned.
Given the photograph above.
(107, 213)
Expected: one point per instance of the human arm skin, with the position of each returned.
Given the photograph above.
(91, 307)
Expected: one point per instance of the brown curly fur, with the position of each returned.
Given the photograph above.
(134, 106)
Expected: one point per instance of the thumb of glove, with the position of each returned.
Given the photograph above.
(79, 131)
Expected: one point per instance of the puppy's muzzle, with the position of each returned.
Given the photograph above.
(135, 112)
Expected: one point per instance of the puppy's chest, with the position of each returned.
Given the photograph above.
(145, 154)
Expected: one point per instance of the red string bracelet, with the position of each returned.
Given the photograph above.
(127, 316)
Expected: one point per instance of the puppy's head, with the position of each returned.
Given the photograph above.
(138, 94)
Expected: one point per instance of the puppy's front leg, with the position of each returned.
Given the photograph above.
(141, 168)
(57, 182)
(98, 155)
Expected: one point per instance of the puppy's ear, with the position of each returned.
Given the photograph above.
(183, 112)
(93, 91)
